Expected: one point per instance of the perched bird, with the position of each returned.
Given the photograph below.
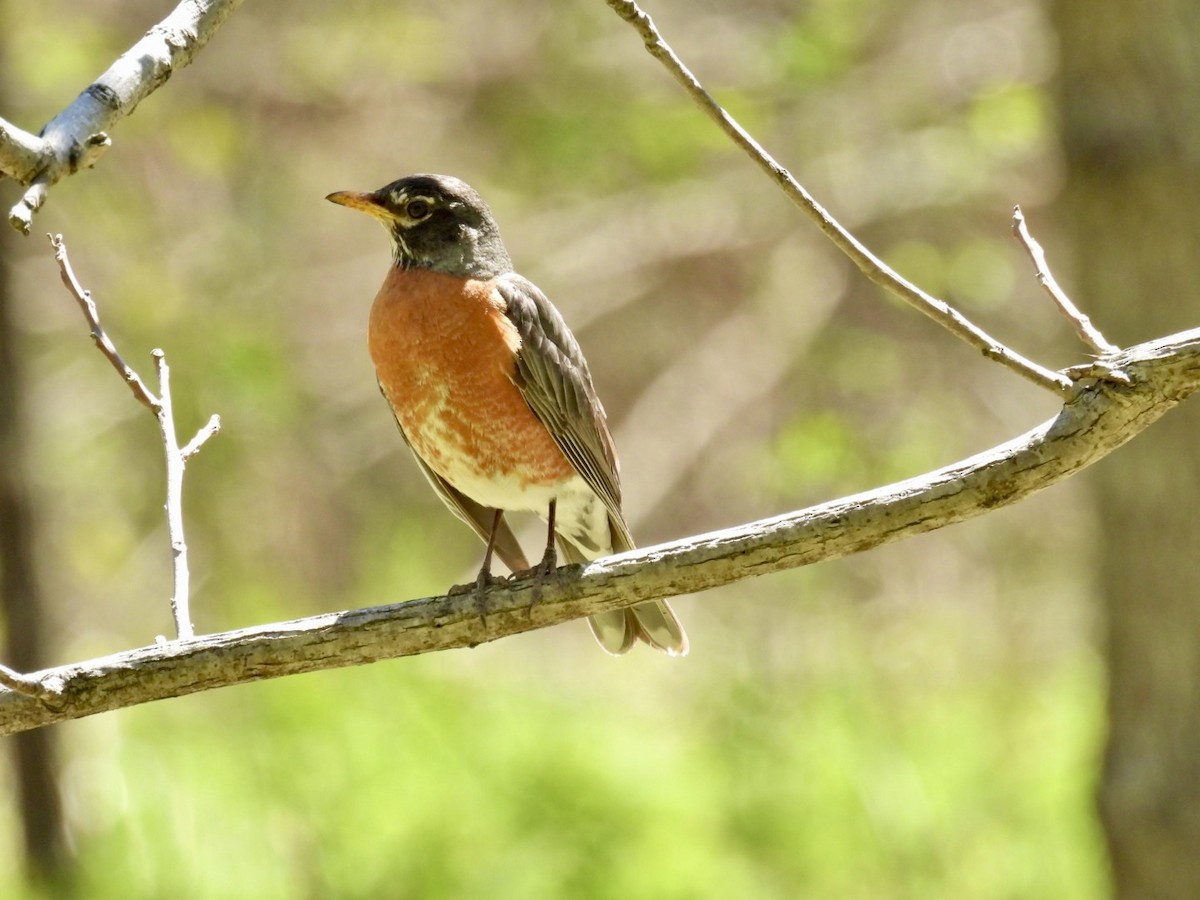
(492, 392)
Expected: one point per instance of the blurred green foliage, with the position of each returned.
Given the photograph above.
(921, 721)
(381, 783)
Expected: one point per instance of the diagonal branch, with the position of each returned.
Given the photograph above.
(872, 266)
(76, 137)
(1098, 417)
(211, 427)
(100, 337)
(1088, 333)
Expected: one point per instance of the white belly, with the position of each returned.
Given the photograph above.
(579, 515)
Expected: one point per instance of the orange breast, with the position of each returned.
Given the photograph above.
(444, 353)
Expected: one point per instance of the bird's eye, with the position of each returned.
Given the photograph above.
(417, 209)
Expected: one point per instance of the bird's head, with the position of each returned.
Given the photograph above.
(435, 222)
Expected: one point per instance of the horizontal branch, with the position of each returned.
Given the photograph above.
(1099, 417)
(75, 138)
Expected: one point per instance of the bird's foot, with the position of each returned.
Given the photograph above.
(479, 588)
(484, 581)
(541, 573)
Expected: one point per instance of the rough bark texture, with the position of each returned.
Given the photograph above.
(1131, 127)
(1098, 419)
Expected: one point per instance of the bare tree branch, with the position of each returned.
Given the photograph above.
(211, 427)
(1097, 418)
(176, 461)
(1088, 333)
(100, 338)
(870, 265)
(76, 137)
(176, 457)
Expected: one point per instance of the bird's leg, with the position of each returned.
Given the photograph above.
(485, 577)
(485, 571)
(549, 563)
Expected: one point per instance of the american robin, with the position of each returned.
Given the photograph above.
(492, 392)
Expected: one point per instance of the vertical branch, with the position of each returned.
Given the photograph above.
(179, 554)
(176, 456)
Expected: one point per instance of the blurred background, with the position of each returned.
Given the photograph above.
(924, 720)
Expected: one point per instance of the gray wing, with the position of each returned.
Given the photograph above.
(554, 379)
(478, 516)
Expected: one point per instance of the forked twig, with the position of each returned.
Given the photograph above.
(160, 405)
(871, 266)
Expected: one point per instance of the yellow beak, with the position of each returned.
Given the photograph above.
(362, 202)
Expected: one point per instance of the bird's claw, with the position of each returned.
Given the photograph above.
(478, 587)
(540, 573)
(543, 570)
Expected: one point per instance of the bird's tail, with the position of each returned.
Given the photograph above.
(618, 630)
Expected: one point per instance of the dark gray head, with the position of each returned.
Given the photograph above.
(435, 222)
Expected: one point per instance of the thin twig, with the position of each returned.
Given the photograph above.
(871, 266)
(100, 338)
(176, 457)
(1087, 332)
(175, 465)
(193, 446)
